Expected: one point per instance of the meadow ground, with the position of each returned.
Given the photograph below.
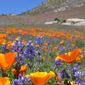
(42, 55)
(32, 53)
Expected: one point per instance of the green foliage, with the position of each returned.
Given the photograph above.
(80, 43)
(52, 81)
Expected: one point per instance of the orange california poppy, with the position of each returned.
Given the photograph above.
(2, 41)
(6, 60)
(70, 57)
(21, 71)
(3, 36)
(79, 58)
(54, 48)
(40, 78)
(4, 81)
(61, 42)
(10, 43)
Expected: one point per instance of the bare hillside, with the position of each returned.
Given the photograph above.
(77, 12)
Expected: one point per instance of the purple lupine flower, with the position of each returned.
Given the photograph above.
(78, 81)
(78, 74)
(61, 49)
(39, 40)
(21, 80)
(15, 46)
(20, 43)
(16, 82)
(64, 74)
(4, 48)
(18, 46)
(21, 59)
(29, 43)
(15, 43)
(56, 63)
(39, 57)
(76, 68)
(30, 51)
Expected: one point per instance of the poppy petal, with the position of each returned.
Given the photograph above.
(75, 52)
(10, 58)
(3, 63)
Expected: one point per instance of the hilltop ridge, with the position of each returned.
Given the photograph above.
(49, 5)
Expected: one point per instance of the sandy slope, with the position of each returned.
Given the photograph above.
(78, 12)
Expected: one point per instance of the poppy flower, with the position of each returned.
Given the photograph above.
(4, 81)
(54, 48)
(21, 71)
(3, 36)
(6, 60)
(61, 42)
(40, 78)
(69, 57)
(2, 41)
(10, 43)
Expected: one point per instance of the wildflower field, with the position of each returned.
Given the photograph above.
(39, 56)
